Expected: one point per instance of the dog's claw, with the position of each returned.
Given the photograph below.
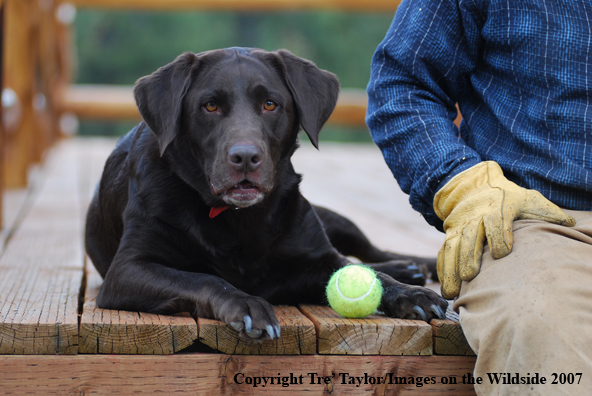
(413, 267)
(438, 311)
(270, 331)
(418, 310)
(418, 276)
(278, 331)
(248, 323)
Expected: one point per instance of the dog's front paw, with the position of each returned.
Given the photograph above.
(251, 317)
(405, 271)
(413, 302)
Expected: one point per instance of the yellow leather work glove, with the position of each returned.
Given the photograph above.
(481, 203)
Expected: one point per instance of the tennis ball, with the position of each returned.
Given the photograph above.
(354, 291)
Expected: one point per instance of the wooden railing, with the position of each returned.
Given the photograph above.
(36, 66)
(116, 102)
(38, 70)
(245, 5)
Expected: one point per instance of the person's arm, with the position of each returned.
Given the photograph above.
(419, 72)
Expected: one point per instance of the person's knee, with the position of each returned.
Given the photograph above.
(494, 318)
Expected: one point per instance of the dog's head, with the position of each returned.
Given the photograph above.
(239, 110)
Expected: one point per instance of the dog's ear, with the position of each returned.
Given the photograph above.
(314, 91)
(159, 97)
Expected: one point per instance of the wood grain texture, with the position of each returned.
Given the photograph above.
(217, 374)
(42, 266)
(298, 336)
(124, 332)
(449, 338)
(373, 335)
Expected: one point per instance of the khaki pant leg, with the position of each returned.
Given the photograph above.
(531, 311)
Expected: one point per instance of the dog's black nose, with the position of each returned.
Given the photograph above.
(245, 157)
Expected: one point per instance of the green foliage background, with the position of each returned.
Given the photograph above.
(118, 47)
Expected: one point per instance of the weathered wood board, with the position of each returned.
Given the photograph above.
(42, 273)
(218, 374)
(449, 338)
(298, 336)
(42, 266)
(124, 332)
(373, 335)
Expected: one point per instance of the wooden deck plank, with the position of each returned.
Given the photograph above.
(14, 207)
(58, 196)
(41, 273)
(203, 374)
(106, 331)
(353, 180)
(449, 338)
(373, 335)
(121, 332)
(333, 161)
(124, 332)
(93, 153)
(42, 267)
(298, 336)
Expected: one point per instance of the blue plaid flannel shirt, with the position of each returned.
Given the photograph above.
(521, 73)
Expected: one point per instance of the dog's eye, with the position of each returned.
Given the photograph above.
(211, 106)
(270, 105)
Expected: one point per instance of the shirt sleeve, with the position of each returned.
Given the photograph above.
(418, 74)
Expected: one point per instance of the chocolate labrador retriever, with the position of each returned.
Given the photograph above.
(199, 208)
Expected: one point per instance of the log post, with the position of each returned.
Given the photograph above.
(19, 78)
(2, 147)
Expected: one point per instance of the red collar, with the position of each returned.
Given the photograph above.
(216, 211)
